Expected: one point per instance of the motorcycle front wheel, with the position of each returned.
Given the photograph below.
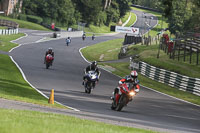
(88, 88)
(122, 102)
(47, 65)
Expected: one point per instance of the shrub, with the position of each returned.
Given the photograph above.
(34, 19)
(22, 17)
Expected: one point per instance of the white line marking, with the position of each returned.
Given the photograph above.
(29, 82)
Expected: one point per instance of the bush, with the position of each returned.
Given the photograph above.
(34, 19)
(22, 17)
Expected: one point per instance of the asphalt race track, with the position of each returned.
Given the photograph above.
(149, 109)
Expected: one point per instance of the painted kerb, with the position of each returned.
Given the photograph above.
(172, 79)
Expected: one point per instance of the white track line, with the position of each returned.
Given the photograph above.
(141, 85)
(26, 78)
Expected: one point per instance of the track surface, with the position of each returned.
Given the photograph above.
(150, 109)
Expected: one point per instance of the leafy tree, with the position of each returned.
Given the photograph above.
(60, 11)
(124, 6)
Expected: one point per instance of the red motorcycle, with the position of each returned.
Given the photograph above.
(126, 96)
(49, 60)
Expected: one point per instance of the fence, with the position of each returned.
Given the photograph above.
(172, 79)
(182, 49)
(8, 31)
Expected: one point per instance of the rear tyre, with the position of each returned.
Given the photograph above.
(47, 65)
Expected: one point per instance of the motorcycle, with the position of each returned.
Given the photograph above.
(126, 96)
(83, 37)
(48, 60)
(90, 82)
(93, 37)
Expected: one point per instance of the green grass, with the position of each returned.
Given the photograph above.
(108, 50)
(14, 121)
(5, 44)
(12, 84)
(125, 17)
(122, 70)
(14, 87)
(25, 24)
(1, 27)
(148, 54)
(131, 21)
(97, 29)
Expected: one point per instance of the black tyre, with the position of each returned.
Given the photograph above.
(121, 104)
(47, 65)
(89, 91)
(113, 107)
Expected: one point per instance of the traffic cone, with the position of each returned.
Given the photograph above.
(51, 98)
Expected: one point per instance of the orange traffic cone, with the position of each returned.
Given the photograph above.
(51, 98)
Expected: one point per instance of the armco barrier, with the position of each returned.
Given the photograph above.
(172, 79)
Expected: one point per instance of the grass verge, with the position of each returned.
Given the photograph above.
(148, 54)
(1, 27)
(13, 121)
(5, 44)
(106, 50)
(12, 84)
(131, 21)
(25, 24)
(125, 17)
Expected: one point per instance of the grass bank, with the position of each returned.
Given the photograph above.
(1, 27)
(13, 121)
(12, 84)
(147, 54)
(125, 17)
(132, 20)
(5, 44)
(106, 50)
(26, 24)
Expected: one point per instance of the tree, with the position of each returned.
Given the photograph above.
(124, 6)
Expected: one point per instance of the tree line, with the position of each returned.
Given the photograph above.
(70, 12)
(182, 15)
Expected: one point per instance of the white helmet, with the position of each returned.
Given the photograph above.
(50, 49)
(134, 74)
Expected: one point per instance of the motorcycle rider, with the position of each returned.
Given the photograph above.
(68, 41)
(91, 67)
(131, 80)
(50, 51)
(93, 36)
(84, 36)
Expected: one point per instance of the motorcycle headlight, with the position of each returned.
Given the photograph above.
(132, 93)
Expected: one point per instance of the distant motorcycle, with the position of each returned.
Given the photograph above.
(122, 100)
(90, 82)
(83, 37)
(93, 37)
(48, 60)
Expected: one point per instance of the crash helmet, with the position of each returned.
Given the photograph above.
(134, 74)
(94, 63)
(50, 49)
